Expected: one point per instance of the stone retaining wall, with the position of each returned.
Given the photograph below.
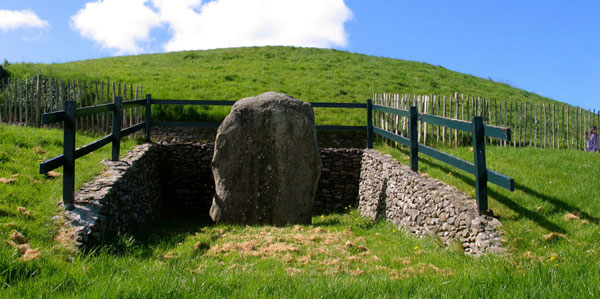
(423, 205)
(125, 194)
(326, 139)
(186, 178)
(176, 179)
(338, 184)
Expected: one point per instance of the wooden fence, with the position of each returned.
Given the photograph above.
(544, 125)
(476, 128)
(71, 114)
(22, 102)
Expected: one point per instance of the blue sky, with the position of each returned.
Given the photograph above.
(548, 47)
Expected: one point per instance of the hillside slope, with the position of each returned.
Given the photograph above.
(306, 73)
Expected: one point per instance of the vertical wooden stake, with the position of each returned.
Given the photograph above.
(131, 110)
(444, 115)
(462, 116)
(21, 102)
(526, 128)
(369, 122)
(506, 120)
(424, 125)
(38, 99)
(521, 125)
(496, 118)
(553, 126)
(414, 141)
(535, 117)
(455, 117)
(568, 124)
(149, 117)
(437, 112)
(69, 155)
(544, 126)
(116, 130)
(530, 124)
(25, 100)
(510, 123)
(480, 164)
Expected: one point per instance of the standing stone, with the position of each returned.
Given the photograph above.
(266, 163)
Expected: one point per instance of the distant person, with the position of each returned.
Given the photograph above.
(587, 141)
(593, 139)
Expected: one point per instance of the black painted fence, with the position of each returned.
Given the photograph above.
(476, 128)
(69, 116)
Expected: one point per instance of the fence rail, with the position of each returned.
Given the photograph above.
(479, 131)
(476, 128)
(71, 114)
(542, 125)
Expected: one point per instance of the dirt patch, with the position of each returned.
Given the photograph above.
(310, 250)
(30, 254)
(23, 211)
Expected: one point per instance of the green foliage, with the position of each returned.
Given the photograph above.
(550, 222)
(188, 258)
(314, 75)
(3, 73)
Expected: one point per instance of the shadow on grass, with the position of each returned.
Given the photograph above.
(327, 222)
(511, 204)
(566, 207)
(143, 239)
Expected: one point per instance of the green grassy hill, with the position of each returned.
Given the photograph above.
(550, 225)
(306, 73)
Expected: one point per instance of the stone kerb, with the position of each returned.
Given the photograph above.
(421, 205)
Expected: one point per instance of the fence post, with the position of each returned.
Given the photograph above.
(369, 123)
(480, 165)
(414, 141)
(148, 116)
(38, 99)
(69, 156)
(116, 129)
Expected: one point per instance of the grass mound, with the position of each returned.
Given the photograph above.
(314, 75)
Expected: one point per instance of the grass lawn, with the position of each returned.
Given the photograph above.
(550, 225)
(309, 74)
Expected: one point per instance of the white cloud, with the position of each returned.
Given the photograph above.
(232, 23)
(196, 24)
(121, 25)
(14, 19)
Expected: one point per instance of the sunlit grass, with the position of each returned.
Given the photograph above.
(314, 75)
(339, 255)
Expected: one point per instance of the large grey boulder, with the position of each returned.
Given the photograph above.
(266, 162)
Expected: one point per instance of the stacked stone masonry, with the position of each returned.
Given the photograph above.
(126, 194)
(424, 206)
(340, 175)
(176, 179)
(186, 178)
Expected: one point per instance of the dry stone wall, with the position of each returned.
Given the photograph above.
(176, 178)
(340, 175)
(326, 139)
(125, 194)
(186, 178)
(423, 205)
